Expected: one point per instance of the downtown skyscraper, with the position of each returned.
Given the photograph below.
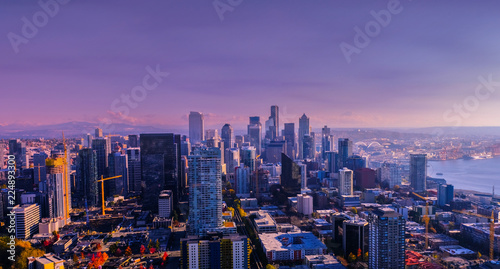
(86, 174)
(387, 239)
(289, 135)
(345, 151)
(205, 190)
(304, 129)
(255, 133)
(272, 124)
(418, 172)
(160, 158)
(196, 127)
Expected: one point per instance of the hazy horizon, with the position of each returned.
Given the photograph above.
(424, 60)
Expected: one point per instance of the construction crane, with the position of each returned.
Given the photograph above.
(492, 234)
(426, 220)
(102, 191)
(65, 181)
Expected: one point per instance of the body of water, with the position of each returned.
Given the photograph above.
(478, 175)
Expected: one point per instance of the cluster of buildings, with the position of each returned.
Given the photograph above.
(303, 196)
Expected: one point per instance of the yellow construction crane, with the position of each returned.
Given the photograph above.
(492, 234)
(102, 191)
(426, 220)
(65, 181)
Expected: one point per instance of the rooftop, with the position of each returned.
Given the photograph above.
(290, 241)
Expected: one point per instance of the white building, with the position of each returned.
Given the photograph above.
(305, 204)
(27, 219)
(345, 181)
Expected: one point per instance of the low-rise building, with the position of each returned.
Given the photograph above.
(323, 262)
(291, 246)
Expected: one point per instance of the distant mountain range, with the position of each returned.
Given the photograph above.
(78, 129)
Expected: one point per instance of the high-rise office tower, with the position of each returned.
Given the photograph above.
(227, 136)
(86, 175)
(233, 157)
(39, 168)
(332, 161)
(418, 172)
(291, 176)
(18, 149)
(445, 194)
(56, 193)
(272, 124)
(255, 134)
(165, 204)
(327, 142)
(355, 236)
(134, 169)
(248, 157)
(205, 190)
(304, 129)
(118, 166)
(308, 147)
(387, 239)
(196, 127)
(133, 141)
(345, 181)
(289, 135)
(102, 148)
(98, 133)
(160, 159)
(345, 151)
(27, 219)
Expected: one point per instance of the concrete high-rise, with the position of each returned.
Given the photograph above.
(289, 135)
(27, 218)
(344, 151)
(304, 129)
(205, 190)
(418, 172)
(39, 168)
(248, 157)
(387, 239)
(233, 159)
(165, 204)
(160, 159)
(255, 134)
(196, 127)
(345, 181)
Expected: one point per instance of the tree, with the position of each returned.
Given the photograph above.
(365, 257)
(358, 256)
(354, 210)
(128, 252)
(142, 249)
(157, 245)
(119, 252)
(351, 258)
(270, 267)
(113, 248)
(75, 258)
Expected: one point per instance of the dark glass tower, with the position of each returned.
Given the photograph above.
(86, 174)
(160, 157)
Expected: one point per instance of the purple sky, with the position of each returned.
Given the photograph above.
(283, 52)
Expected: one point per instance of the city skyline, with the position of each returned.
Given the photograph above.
(410, 74)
